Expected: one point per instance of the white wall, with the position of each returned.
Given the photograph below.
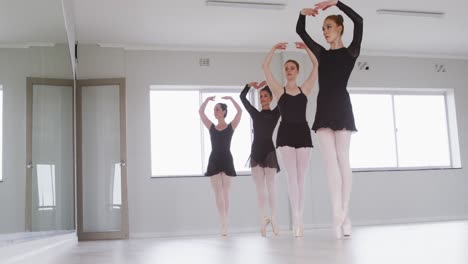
(186, 205)
(15, 66)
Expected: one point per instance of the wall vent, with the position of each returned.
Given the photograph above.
(204, 62)
(440, 68)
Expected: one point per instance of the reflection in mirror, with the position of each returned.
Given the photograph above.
(36, 123)
(51, 157)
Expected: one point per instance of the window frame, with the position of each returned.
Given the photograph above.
(451, 125)
(204, 89)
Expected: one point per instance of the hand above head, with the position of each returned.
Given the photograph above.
(280, 46)
(300, 45)
(326, 4)
(261, 85)
(210, 98)
(253, 85)
(226, 97)
(310, 11)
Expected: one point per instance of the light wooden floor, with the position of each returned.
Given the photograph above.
(428, 243)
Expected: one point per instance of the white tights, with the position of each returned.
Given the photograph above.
(296, 162)
(221, 184)
(334, 146)
(262, 177)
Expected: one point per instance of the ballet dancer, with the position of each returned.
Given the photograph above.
(334, 119)
(293, 141)
(263, 161)
(220, 164)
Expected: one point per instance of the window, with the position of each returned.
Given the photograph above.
(180, 143)
(46, 186)
(1, 133)
(402, 130)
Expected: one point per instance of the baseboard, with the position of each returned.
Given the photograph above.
(208, 232)
(215, 232)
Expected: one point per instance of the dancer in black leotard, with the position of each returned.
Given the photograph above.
(293, 141)
(334, 120)
(263, 161)
(220, 164)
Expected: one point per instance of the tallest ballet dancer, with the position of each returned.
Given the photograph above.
(334, 119)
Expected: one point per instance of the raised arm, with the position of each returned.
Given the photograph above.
(275, 87)
(235, 122)
(301, 31)
(201, 111)
(355, 46)
(312, 78)
(243, 96)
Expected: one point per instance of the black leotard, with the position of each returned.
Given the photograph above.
(293, 130)
(334, 109)
(221, 158)
(263, 151)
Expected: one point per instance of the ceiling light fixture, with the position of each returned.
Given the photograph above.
(260, 5)
(410, 13)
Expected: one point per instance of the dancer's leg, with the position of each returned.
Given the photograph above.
(217, 185)
(343, 140)
(302, 164)
(288, 155)
(226, 185)
(258, 175)
(270, 175)
(327, 143)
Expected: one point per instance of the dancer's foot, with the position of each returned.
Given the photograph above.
(338, 219)
(300, 232)
(265, 223)
(224, 228)
(337, 232)
(274, 226)
(347, 227)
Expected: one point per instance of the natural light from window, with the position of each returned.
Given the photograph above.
(180, 143)
(400, 131)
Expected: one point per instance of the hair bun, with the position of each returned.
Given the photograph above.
(340, 19)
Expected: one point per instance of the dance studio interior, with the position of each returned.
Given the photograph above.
(234, 131)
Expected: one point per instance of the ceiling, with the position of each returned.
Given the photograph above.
(29, 22)
(191, 25)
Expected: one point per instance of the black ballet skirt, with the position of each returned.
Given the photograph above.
(334, 109)
(221, 158)
(294, 130)
(263, 151)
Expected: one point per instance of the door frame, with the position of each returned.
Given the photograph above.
(124, 232)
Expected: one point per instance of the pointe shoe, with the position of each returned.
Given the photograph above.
(275, 227)
(224, 229)
(265, 223)
(337, 232)
(298, 231)
(346, 227)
